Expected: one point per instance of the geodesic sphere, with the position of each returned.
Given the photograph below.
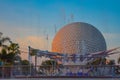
(78, 37)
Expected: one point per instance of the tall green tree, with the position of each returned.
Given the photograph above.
(14, 48)
(3, 55)
(9, 50)
(49, 66)
(3, 46)
(10, 54)
(13, 52)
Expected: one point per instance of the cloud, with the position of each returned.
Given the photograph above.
(33, 41)
(112, 39)
(14, 31)
(111, 35)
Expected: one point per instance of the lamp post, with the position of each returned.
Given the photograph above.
(29, 57)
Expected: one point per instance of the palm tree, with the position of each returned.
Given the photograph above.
(9, 50)
(13, 52)
(3, 55)
(3, 47)
(49, 66)
(10, 54)
(14, 48)
(3, 40)
(6, 58)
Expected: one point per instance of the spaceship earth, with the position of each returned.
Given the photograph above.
(78, 37)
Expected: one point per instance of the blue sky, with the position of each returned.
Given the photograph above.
(104, 14)
(29, 21)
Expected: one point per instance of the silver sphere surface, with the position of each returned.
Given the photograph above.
(78, 37)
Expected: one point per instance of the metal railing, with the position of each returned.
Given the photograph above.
(66, 70)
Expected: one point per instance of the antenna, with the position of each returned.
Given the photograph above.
(72, 17)
(44, 34)
(64, 15)
(47, 41)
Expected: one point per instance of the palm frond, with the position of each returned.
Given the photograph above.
(4, 39)
(1, 34)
